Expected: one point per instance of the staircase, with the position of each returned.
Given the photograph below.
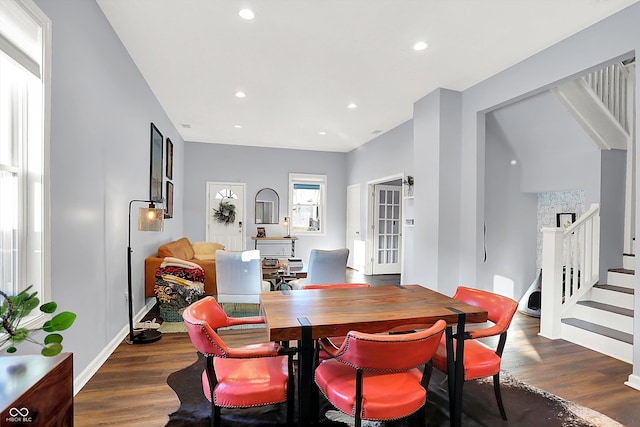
(577, 307)
(602, 319)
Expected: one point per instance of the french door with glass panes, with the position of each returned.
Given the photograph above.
(388, 229)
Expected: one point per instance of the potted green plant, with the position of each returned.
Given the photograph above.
(15, 308)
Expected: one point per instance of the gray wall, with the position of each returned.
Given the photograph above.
(614, 165)
(553, 153)
(390, 154)
(259, 168)
(511, 220)
(101, 110)
(386, 155)
(437, 202)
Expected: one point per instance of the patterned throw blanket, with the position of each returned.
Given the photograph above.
(177, 286)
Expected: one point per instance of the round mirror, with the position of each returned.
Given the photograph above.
(267, 206)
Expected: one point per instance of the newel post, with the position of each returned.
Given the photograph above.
(551, 302)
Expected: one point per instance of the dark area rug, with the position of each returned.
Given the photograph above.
(525, 406)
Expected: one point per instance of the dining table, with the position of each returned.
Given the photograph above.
(307, 315)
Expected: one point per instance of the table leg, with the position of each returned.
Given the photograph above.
(305, 373)
(459, 371)
(455, 369)
(451, 373)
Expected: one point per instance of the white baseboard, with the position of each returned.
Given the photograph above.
(633, 381)
(81, 380)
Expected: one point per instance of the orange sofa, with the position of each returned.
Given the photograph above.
(184, 249)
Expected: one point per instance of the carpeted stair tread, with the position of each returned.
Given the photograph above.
(607, 307)
(622, 270)
(615, 288)
(599, 329)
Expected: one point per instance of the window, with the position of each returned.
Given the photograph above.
(24, 230)
(308, 203)
(226, 193)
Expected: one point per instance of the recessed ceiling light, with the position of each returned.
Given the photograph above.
(240, 94)
(514, 162)
(420, 45)
(322, 132)
(352, 106)
(237, 126)
(247, 14)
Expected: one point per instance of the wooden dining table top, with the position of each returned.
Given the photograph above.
(335, 312)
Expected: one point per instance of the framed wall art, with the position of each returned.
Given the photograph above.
(155, 175)
(565, 219)
(168, 207)
(169, 159)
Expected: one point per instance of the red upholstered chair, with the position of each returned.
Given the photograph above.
(238, 377)
(376, 376)
(481, 360)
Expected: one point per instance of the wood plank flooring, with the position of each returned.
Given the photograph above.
(130, 388)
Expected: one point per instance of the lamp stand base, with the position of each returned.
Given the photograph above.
(147, 336)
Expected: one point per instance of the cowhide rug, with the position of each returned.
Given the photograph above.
(525, 406)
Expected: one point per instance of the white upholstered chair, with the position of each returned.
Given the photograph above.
(239, 277)
(325, 266)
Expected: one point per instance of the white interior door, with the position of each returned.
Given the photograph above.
(354, 240)
(229, 233)
(387, 229)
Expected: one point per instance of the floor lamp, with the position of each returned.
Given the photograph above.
(149, 219)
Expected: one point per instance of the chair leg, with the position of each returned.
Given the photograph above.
(215, 415)
(290, 393)
(358, 399)
(496, 389)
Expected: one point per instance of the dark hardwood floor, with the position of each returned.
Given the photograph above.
(130, 388)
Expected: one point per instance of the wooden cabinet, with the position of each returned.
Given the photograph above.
(36, 391)
(275, 247)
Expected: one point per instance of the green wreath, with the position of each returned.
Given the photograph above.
(226, 213)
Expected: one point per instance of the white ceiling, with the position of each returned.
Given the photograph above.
(300, 62)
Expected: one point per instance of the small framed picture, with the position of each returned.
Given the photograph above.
(155, 179)
(168, 209)
(261, 232)
(565, 219)
(169, 162)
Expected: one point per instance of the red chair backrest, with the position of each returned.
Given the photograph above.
(500, 308)
(202, 318)
(390, 353)
(337, 285)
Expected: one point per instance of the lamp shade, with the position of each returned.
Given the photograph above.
(150, 219)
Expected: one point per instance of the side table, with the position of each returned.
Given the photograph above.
(36, 390)
(275, 240)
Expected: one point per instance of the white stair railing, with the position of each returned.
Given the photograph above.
(570, 267)
(610, 84)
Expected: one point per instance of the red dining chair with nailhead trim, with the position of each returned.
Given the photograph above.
(480, 360)
(376, 376)
(238, 377)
